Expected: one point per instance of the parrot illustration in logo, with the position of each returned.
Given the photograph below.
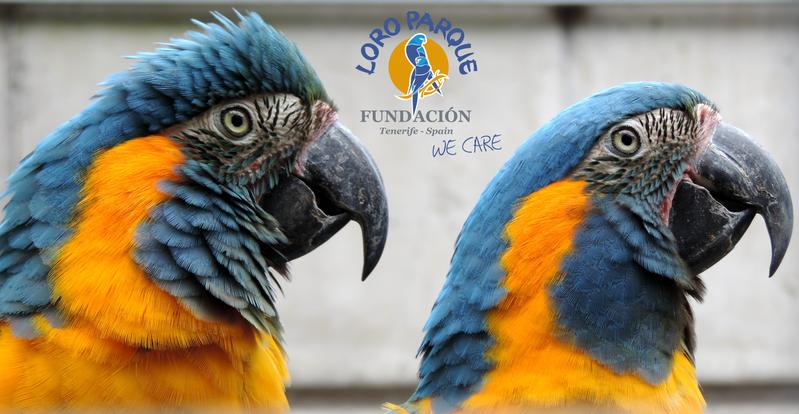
(141, 247)
(569, 285)
(423, 80)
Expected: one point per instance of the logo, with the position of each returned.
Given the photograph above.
(419, 64)
(425, 54)
(418, 68)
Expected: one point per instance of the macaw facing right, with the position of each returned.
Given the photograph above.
(568, 289)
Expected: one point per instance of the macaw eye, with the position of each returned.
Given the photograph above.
(626, 141)
(236, 121)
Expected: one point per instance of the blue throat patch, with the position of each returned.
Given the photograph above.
(456, 335)
(611, 305)
(208, 246)
(165, 87)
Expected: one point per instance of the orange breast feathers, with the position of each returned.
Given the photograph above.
(125, 341)
(532, 367)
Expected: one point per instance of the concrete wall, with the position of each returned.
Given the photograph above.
(533, 61)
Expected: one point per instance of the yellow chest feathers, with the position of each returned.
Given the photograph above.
(125, 341)
(533, 368)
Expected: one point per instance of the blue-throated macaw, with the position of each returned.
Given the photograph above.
(143, 239)
(569, 284)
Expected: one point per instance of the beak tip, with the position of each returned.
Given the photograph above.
(779, 224)
(372, 255)
(776, 260)
(368, 268)
(775, 264)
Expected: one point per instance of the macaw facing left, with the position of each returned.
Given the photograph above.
(568, 289)
(140, 246)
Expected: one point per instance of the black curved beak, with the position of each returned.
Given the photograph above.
(336, 181)
(735, 179)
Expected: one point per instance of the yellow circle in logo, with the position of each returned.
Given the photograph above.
(399, 68)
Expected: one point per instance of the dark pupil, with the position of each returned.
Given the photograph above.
(626, 139)
(237, 120)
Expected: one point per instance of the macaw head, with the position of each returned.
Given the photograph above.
(681, 171)
(266, 173)
(417, 40)
(268, 126)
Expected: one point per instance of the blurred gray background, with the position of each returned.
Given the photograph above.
(351, 345)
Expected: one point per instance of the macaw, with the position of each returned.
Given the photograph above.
(422, 71)
(569, 284)
(142, 244)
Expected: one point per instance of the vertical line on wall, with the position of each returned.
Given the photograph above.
(568, 17)
(10, 60)
(5, 105)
